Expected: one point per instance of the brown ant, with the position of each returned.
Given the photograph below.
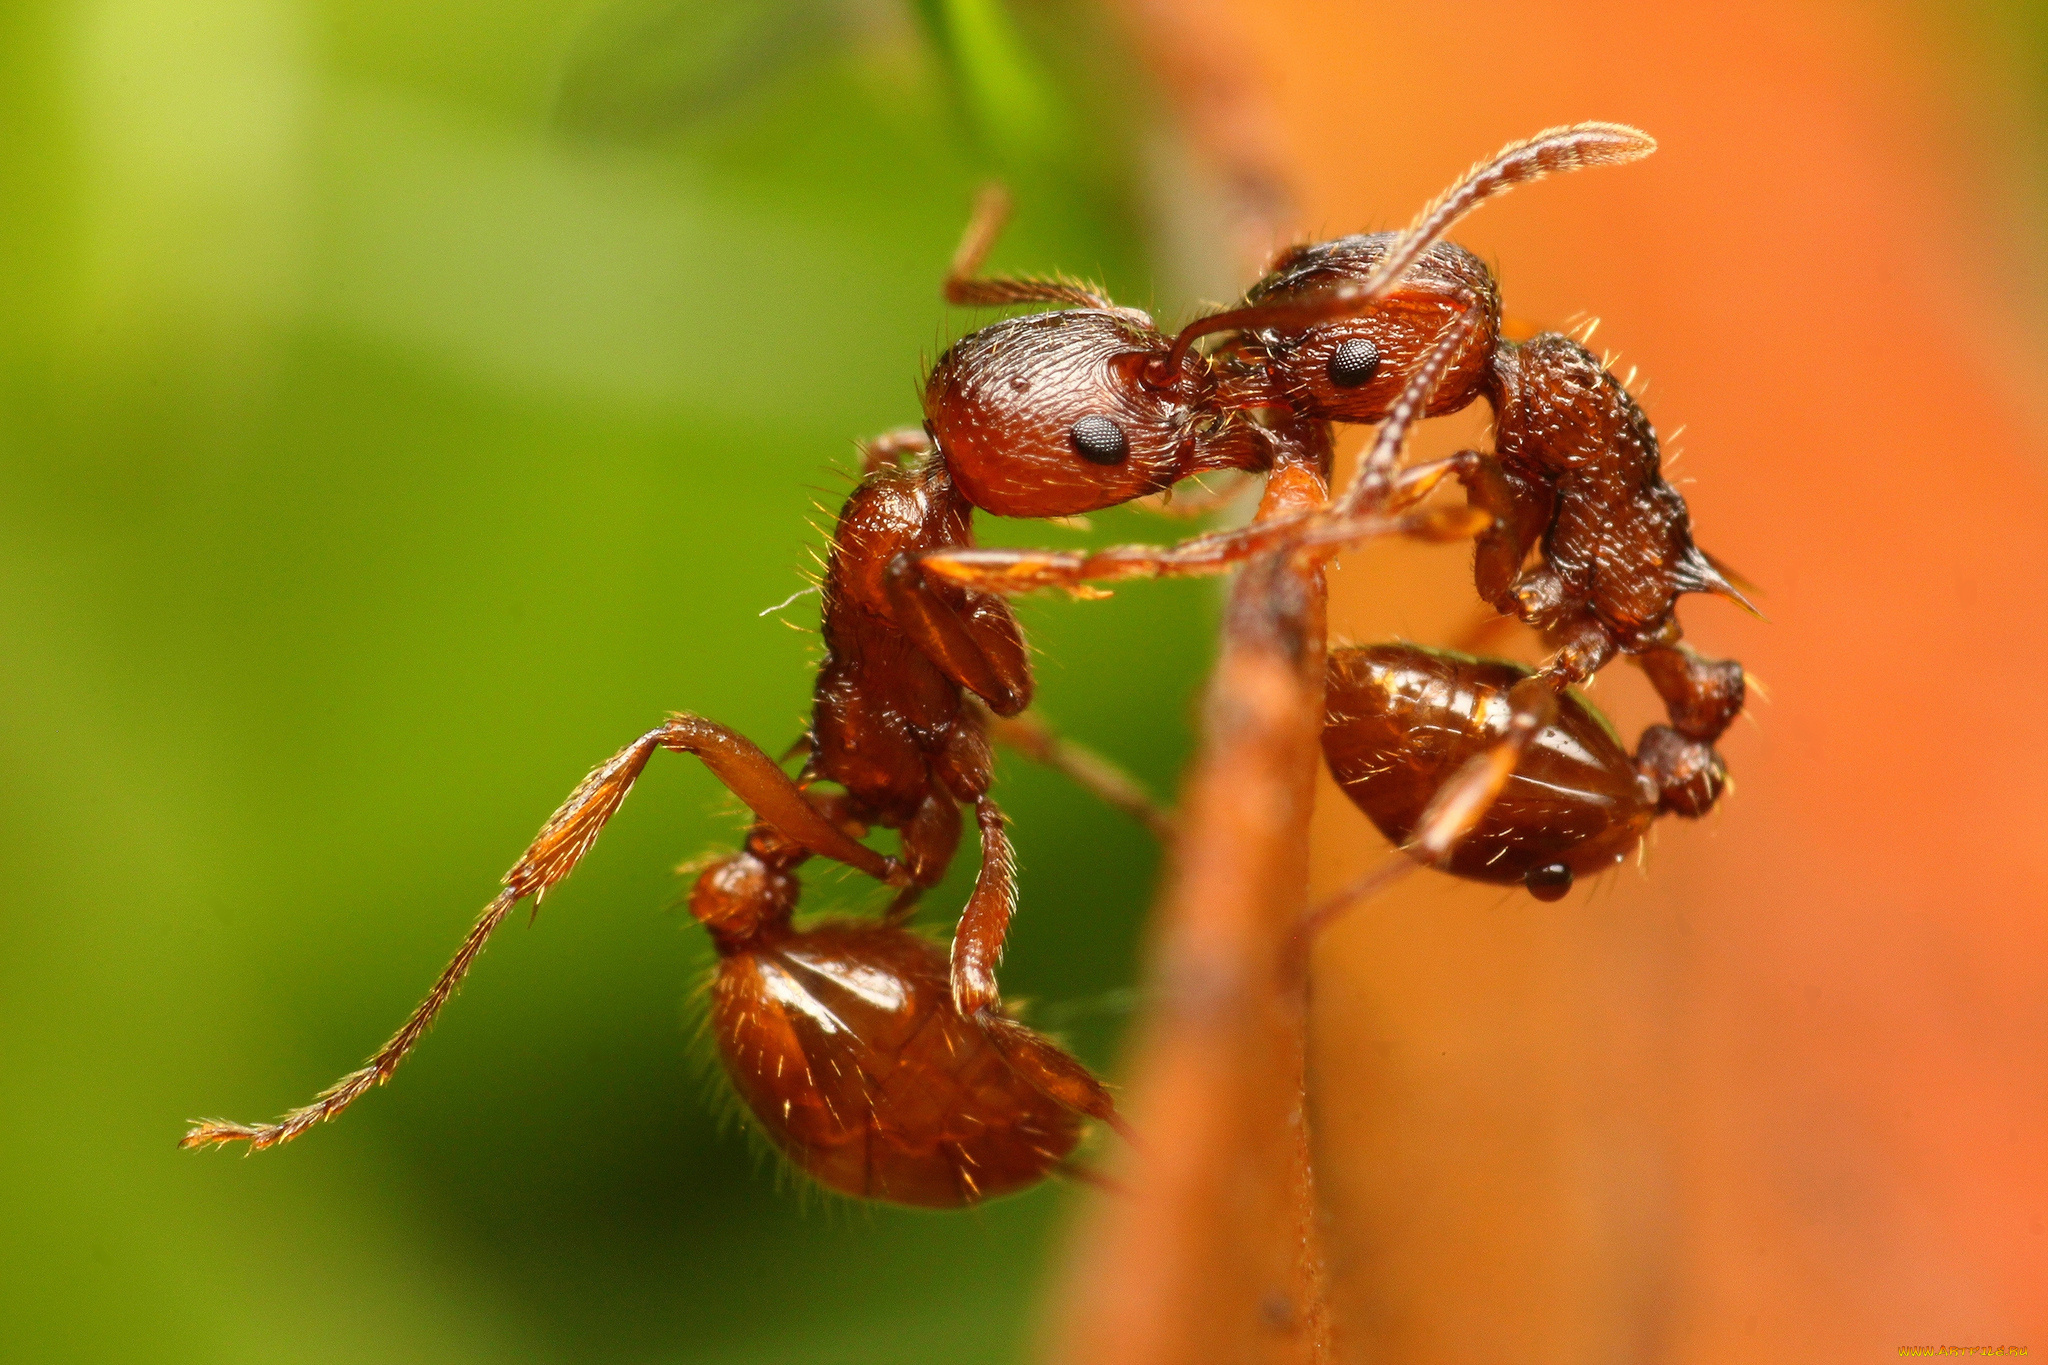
(1401, 718)
(1391, 327)
(884, 1075)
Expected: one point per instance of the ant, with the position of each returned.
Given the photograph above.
(1401, 716)
(888, 1068)
(1582, 536)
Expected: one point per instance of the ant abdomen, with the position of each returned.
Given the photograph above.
(844, 1043)
(1402, 720)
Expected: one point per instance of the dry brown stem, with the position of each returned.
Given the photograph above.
(1214, 1253)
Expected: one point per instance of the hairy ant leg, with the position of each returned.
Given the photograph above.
(1101, 777)
(1519, 511)
(1318, 917)
(978, 947)
(972, 643)
(927, 843)
(736, 761)
(887, 450)
(965, 288)
(985, 921)
(568, 834)
(1008, 570)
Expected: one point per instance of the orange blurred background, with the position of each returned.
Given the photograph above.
(1783, 1097)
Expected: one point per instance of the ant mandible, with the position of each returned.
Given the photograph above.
(881, 1067)
(1583, 538)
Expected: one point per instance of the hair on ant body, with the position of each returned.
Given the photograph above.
(888, 1068)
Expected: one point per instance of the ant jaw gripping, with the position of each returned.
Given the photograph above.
(1049, 415)
(1291, 315)
(1567, 148)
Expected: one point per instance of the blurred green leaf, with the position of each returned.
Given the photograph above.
(1007, 95)
(653, 65)
(379, 448)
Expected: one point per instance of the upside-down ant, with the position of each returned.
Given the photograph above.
(876, 1072)
(1401, 718)
(1391, 327)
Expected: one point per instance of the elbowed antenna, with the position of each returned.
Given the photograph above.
(1568, 148)
(966, 287)
(1572, 147)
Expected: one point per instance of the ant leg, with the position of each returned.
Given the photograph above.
(1460, 803)
(1520, 509)
(978, 946)
(979, 648)
(735, 760)
(887, 450)
(1090, 771)
(985, 921)
(928, 843)
(1375, 879)
(988, 569)
(963, 289)
(774, 797)
(1205, 499)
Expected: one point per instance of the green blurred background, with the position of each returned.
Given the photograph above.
(401, 407)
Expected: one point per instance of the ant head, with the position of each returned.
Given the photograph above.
(1350, 367)
(1056, 414)
(1336, 330)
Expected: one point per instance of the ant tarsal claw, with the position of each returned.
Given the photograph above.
(887, 1068)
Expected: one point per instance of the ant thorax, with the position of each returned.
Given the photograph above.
(886, 1066)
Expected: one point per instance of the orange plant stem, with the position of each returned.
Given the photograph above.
(1213, 1252)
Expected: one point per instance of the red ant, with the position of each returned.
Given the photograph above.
(1391, 327)
(1401, 717)
(884, 1069)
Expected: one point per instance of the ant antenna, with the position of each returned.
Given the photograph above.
(963, 289)
(1568, 148)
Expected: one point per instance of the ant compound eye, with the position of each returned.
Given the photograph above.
(1356, 361)
(1099, 441)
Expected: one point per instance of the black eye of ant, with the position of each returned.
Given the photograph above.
(1356, 361)
(1098, 440)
